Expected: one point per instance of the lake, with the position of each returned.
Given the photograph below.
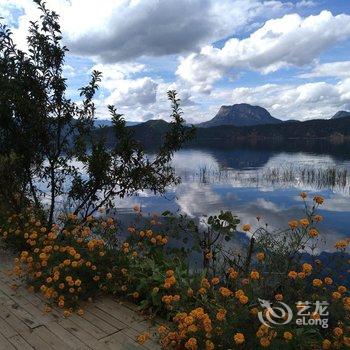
(255, 182)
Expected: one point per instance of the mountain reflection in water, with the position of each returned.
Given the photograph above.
(255, 182)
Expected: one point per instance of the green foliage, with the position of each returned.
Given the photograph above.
(48, 133)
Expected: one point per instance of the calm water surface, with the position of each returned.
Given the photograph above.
(254, 183)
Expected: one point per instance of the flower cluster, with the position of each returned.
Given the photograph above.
(214, 308)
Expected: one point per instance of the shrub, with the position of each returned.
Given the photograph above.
(211, 308)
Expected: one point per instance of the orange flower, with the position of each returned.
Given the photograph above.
(304, 222)
(239, 338)
(260, 256)
(307, 268)
(246, 227)
(191, 344)
(279, 297)
(303, 195)
(215, 281)
(317, 282)
(254, 275)
(292, 274)
(293, 224)
(287, 336)
(313, 233)
(319, 200)
(142, 338)
(337, 331)
(328, 280)
(225, 292)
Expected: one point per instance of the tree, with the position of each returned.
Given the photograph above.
(48, 134)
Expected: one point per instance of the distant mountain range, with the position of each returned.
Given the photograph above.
(107, 122)
(341, 114)
(241, 124)
(241, 114)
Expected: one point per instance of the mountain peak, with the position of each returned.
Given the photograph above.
(341, 114)
(241, 114)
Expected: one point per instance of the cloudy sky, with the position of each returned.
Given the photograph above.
(291, 57)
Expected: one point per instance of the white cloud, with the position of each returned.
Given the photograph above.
(306, 3)
(112, 31)
(332, 69)
(287, 41)
(135, 92)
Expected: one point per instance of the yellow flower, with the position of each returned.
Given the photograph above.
(301, 275)
(142, 338)
(293, 224)
(170, 273)
(288, 336)
(233, 274)
(342, 289)
(254, 275)
(80, 312)
(265, 342)
(243, 299)
(313, 233)
(215, 281)
(246, 227)
(292, 274)
(317, 282)
(303, 195)
(260, 256)
(307, 268)
(326, 344)
(67, 313)
(221, 314)
(191, 344)
(279, 297)
(328, 280)
(225, 292)
(202, 291)
(337, 331)
(239, 338)
(341, 244)
(319, 200)
(318, 218)
(336, 295)
(209, 345)
(304, 222)
(161, 329)
(190, 292)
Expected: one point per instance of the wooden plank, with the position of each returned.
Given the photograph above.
(105, 325)
(50, 321)
(152, 343)
(107, 317)
(11, 301)
(87, 326)
(6, 330)
(120, 341)
(5, 344)
(19, 343)
(118, 311)
(22, 329)
(100, 323)
(84, 337)
(51, 339)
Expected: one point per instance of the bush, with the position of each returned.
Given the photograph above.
(219, 306)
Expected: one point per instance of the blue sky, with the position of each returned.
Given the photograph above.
(291, 57)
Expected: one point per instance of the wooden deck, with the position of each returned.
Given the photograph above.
(106, 324)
